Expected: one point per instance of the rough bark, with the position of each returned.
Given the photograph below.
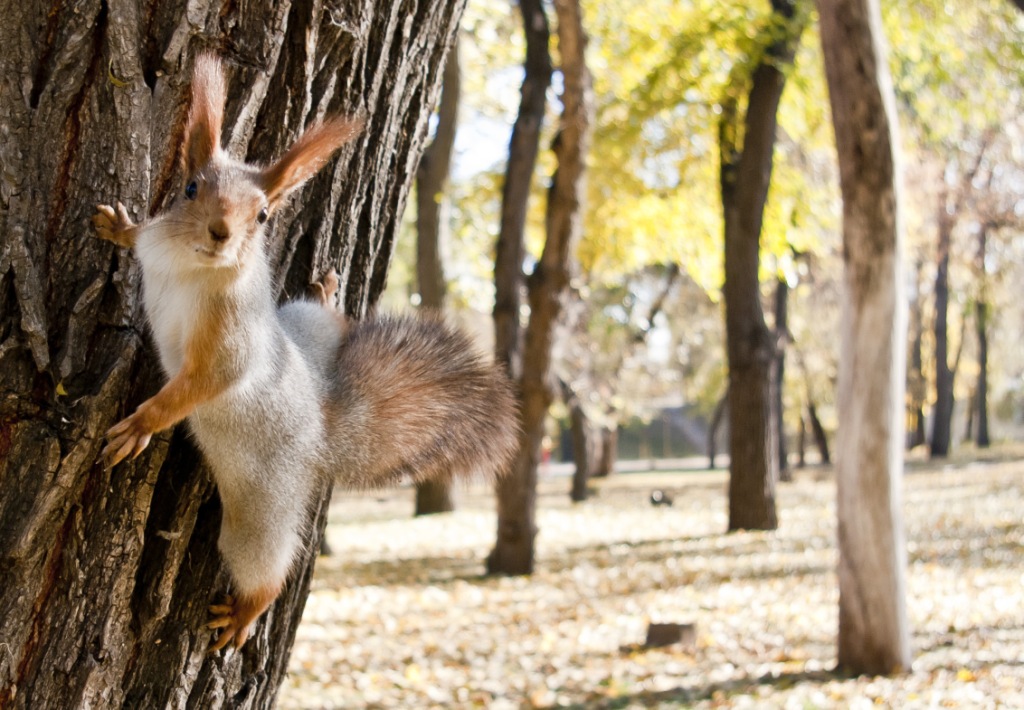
(747, 146)
(108, 573)
(873, 626)
(436, 496)
(513, 551)
(517, 492)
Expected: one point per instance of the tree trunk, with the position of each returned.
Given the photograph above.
(746, 166)
(801, 443)
(513, 549)
(981, 321)
(436, 496)
(108, 573)
(916, 384)
(942, 414)
(873, 626)
(609, 451)
(820, 438)
(517, 492)
(782, 338)
(716, 424)
(582, 450)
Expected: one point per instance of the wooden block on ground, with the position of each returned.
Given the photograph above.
(660, 635)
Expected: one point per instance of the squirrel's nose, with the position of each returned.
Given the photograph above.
(219, 231)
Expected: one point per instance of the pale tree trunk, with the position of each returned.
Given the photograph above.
(436, 496)
(873, 627)
(517, 491)
(747, 146)
(107, 574)
(513, 551)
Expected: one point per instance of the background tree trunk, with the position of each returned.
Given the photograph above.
(108, 573)
(873, 626)
(583, 446)
(942, 413)
(820, 438)
(513, 549)
(981, 320)
(747, 146)
(782, 336)
(436, 496)
(517, 491)
(608, 447)
(916, 384)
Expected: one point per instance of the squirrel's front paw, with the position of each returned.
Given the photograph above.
(129, 436)
(114, 225)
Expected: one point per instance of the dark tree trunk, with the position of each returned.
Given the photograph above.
(108, 573)
(513, 549)
(716, 425)
(517, 492)
(436, 496)
(747, 145)
(916, 385)
(801, 443)
(820, 438)
(582, 450)
(874, 637)
(782, 338)
(942, 414)
(981, 321)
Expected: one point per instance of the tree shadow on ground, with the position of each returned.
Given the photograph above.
(724, 557)
(687, 696)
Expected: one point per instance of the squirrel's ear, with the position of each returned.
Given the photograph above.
(206, 114)
(307, 156)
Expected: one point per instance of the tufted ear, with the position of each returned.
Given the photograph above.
(206, 113)
(304, 159)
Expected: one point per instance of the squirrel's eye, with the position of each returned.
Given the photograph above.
(262, 216)
(190, 190)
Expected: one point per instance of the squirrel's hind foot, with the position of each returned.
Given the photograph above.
(236, 614)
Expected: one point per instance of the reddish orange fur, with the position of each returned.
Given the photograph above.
(307, 156)
(237, 614)
(206, 114)
(194, 384)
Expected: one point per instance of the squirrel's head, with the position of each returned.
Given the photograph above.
(225, 203)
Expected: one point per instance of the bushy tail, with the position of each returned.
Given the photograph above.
(414, 398)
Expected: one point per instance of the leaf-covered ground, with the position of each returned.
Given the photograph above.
(400, 616)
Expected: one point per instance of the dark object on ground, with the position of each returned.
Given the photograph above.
(660, 497)
(660, 635)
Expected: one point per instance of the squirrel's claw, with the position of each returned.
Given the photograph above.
(234, 627)
(237, 614)
(129, 436)
(114, 225)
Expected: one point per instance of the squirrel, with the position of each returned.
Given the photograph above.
(277, 398)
